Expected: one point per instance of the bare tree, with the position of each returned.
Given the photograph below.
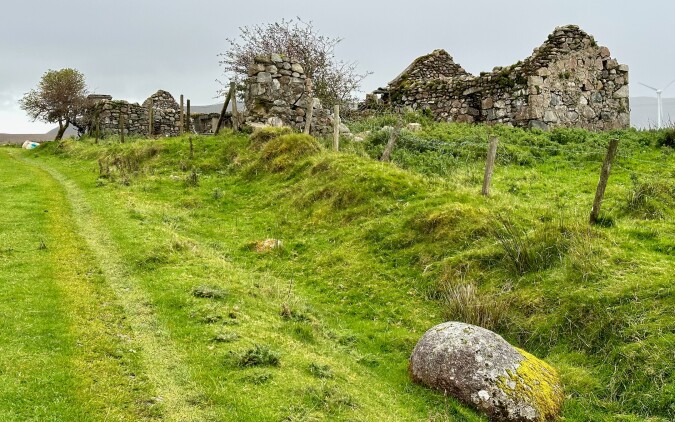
(335, 81)
(59, 98)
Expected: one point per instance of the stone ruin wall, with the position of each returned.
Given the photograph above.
(569, 81)
(276, 95)
(105, 113)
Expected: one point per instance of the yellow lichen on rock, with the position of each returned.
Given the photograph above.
(535, 382)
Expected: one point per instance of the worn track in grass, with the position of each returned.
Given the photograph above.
(160, 361)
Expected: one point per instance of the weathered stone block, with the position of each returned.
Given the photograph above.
(621, 92)
(296, 67)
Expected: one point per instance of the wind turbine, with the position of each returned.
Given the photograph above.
(659, 104)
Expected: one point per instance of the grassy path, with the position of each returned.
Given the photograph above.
(67, 273)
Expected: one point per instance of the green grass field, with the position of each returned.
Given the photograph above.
(135, 282)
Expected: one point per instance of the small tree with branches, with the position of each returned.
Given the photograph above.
(335, 81)
(59, 98)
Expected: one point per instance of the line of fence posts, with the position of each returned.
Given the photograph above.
(490, 164)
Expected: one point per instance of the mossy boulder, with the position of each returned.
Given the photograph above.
(481, 369)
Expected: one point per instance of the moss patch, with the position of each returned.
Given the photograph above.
(537, 383)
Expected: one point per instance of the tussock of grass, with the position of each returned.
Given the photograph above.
(320, 371)
(208, 292)
(649, 200)
(259, 355)
(526, 252)
(465, 304)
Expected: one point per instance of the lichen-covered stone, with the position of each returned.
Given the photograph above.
(481, 369)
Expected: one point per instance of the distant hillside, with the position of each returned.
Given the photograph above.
(20, 138)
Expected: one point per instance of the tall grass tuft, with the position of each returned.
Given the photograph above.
(535, 250)
(465, 303)
(648, 200)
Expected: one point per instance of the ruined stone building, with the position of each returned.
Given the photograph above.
(569, 81)
(106, 116)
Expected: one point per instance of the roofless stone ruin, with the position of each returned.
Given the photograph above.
(570, 81)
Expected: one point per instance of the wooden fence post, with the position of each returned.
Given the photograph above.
(489, 166)
(336, 128)
(98, 125)
(188, 116)
(309, 115)
(222, 112)
(602, 183)
(121, 122)
(151, 118)
(181, 129)
(393, 137)
(235, 113)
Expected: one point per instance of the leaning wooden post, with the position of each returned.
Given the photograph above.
(235, 113)
(336, 128)
(189, 119)
(222, 112)
(181, 129)
(604, 176)
(489, 166)
(386, 155)
(309, 115)
(151, 118)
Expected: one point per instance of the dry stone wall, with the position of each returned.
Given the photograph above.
(276, 95)
(109, 117)
(569, 81)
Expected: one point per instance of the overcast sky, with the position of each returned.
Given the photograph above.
(131, 48)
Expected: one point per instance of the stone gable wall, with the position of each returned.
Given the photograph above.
(569, 81)
(276, 96)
